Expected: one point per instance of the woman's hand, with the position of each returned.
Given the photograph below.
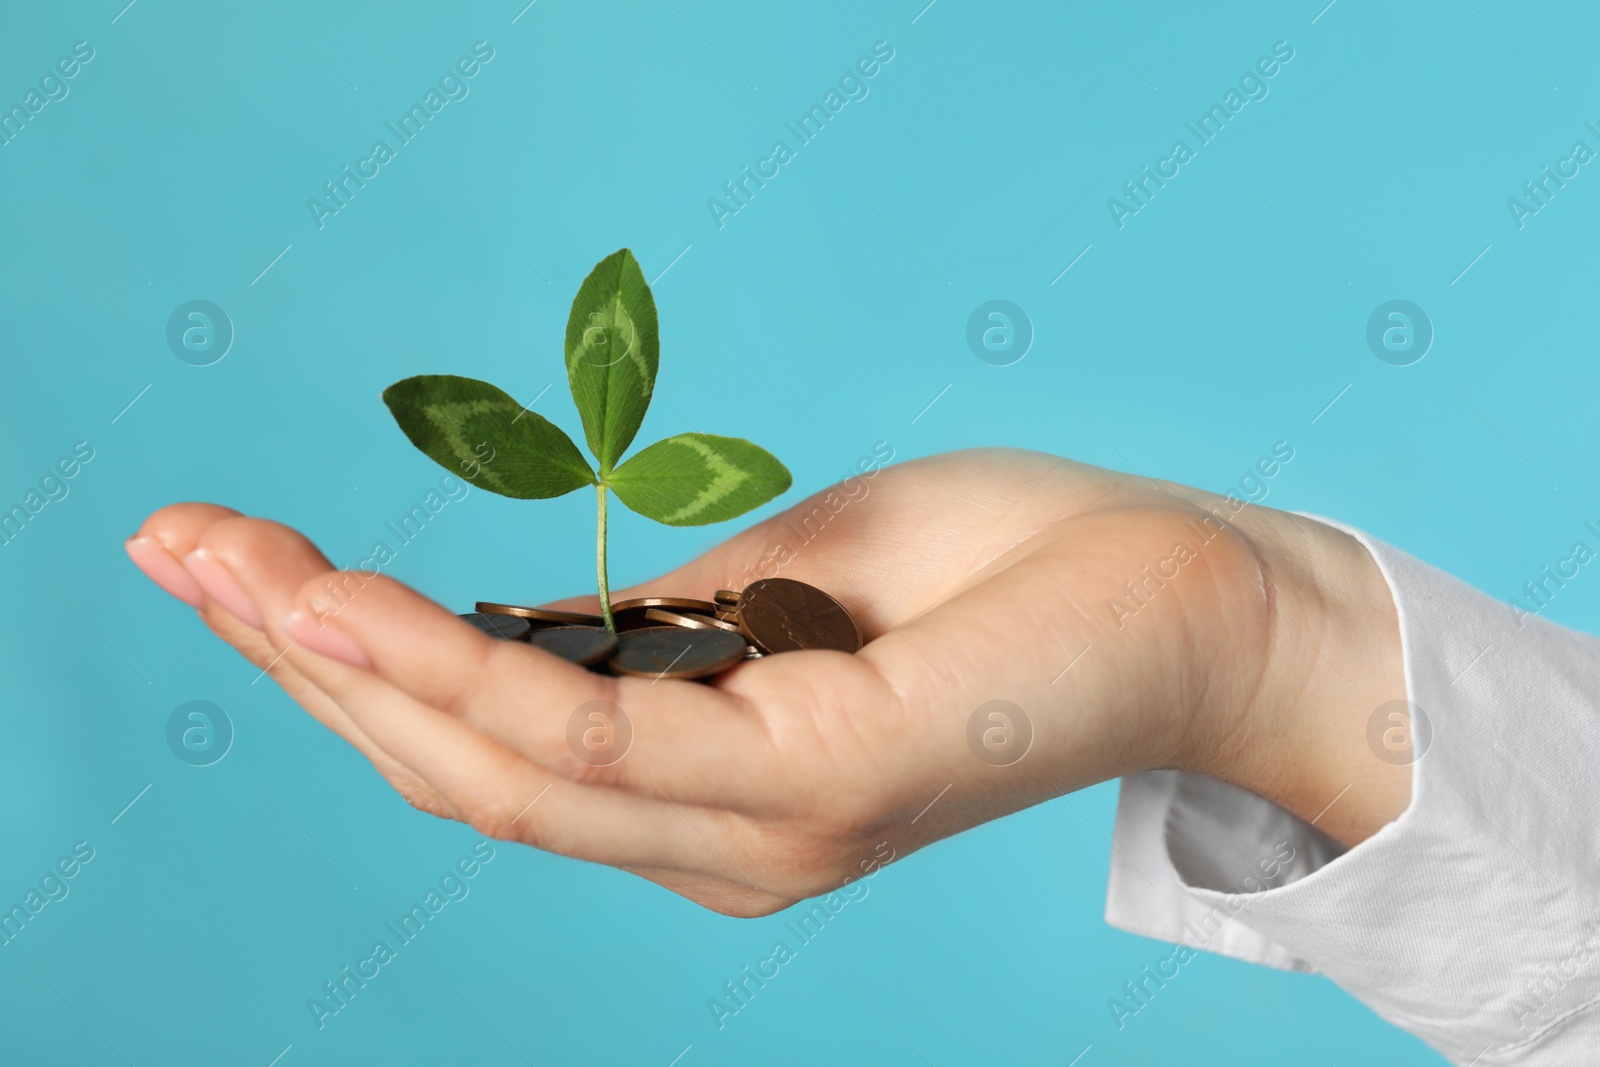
(1136, 624)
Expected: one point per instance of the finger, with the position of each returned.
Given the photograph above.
(177, 527)
(694, 743)
(165, 538)
(487, 783)
(233, 544)
(503, 795)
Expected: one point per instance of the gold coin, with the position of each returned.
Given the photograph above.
(689, 622)
(783, 615)
(505, 627)
(726, 596)
(583, 645)
(676, 652)
(629, 614)
(541, 616)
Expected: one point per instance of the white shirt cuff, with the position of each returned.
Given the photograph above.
(1472, 920)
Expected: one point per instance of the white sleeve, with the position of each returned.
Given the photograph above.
(1472, 920)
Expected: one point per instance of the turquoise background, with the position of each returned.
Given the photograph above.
(823, 317)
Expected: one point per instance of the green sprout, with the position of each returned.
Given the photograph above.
(612, 351)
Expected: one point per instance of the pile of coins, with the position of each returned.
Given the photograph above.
(680, 637)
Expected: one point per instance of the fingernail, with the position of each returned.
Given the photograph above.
(324, 640)
(163, 568)
(220, 585)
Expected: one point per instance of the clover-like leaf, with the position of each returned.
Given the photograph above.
(698, 478)
(478, 432)
(612, 352)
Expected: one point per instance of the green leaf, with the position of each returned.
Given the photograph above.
(697, 478)
(612, 353)
(478, 432)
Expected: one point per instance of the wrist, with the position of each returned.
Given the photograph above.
(1327, 654)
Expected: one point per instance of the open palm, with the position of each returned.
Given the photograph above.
(975, 577)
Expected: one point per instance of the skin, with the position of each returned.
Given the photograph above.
(974, 576)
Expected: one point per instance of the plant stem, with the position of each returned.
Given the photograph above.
(600, 558)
